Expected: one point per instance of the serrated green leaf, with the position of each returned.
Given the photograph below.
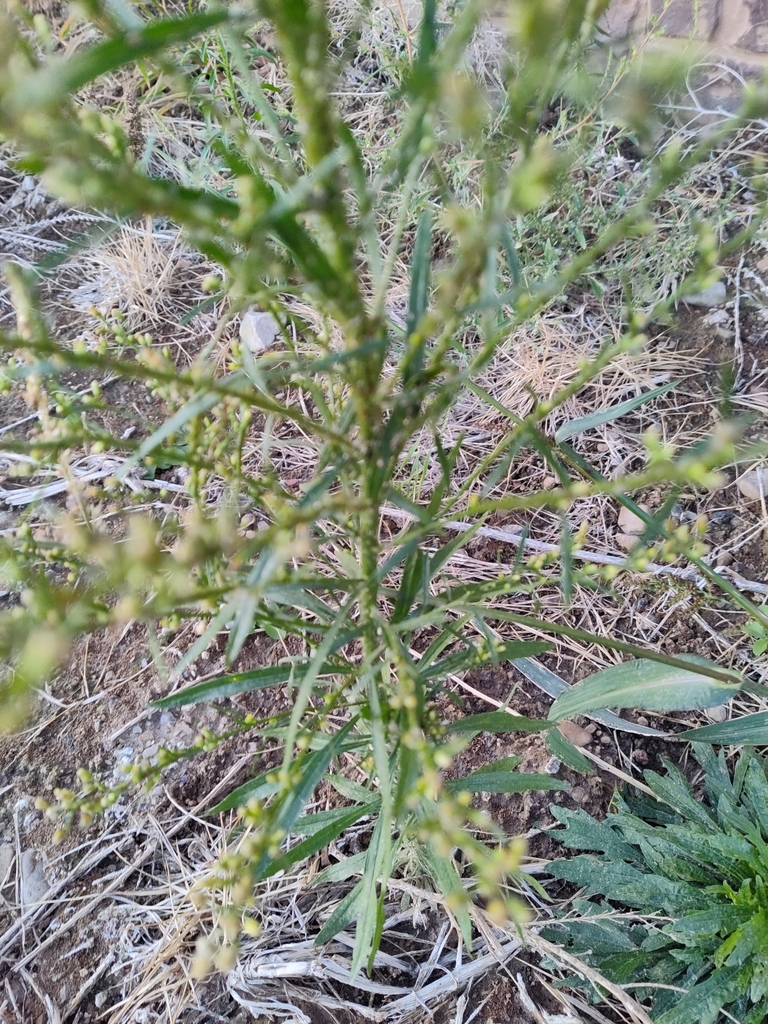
(715, 920)
(583, 832)
(704, 1001)
(645, 684)
(612, 412)
(673, 789)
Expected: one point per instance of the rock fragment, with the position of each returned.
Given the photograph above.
(258, 331)
(754, 485)
(631, 523)
(575, 734)
(715, 295)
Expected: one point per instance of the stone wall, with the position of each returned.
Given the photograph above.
(729, 32)
(735, 30)
(730, 38)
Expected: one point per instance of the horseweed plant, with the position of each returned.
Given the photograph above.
(292, 220)
(694, 872)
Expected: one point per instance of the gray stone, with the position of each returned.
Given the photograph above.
(715, 295)
(7, 855)
(631, 523)
(625, 541)
(754, 485)
(688, 19)
(34, 884)
(258, 331)
(755, 38)
(718, 714)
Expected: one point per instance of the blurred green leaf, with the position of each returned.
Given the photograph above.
(498, 722)
(242, 682)
(610, 413)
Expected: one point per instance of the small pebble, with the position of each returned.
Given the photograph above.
(28, 183)
(552, 766)
(625, 541)
(99, 999)
(642, 720)
(258, 331)
(575, 734)
(715, 295)
(720, 517)
(718, 714)
(579, 795)
(606, 740)
(754, 485)
(640, 757)
(591, 728)
(631, 523)
(724, 558)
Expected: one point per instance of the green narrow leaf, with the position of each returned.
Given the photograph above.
(560, 747)
(750, 730)
(613, 412)
(337, 821)
(368, 911)
(200, 404)
(240, 682)
(418, 299)
(447, 881)
(566, 561)
(645, 684)
(500, 777)
(553, 685)
(254, 789)
(243, 626)
(341, 870)
(344, 912)
(313, 768)
(498, 722)
(471, 657)
(64, 76)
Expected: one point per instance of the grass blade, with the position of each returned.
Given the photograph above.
(748, 729)
(644, 684)
(240, 682)
(553, 685)
(498, 722)
(612, 412)
(504, 782)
